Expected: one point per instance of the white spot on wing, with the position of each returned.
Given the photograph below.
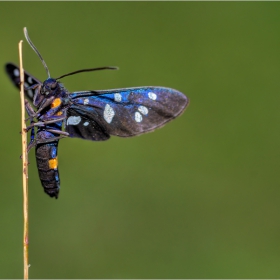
(144, 110)
(152, 95)
(30, 80)
(138, 117)
(86, 123)
(86, 101)
(16, 72)
(109, 113)
(73, 120)
(30, 93)
(117, 97)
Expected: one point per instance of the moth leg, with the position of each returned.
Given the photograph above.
(43, 123)
(29, 109)
(61, 132)
(32, 136)
(31, 144)
(50, 139)
(32, 113)
(31, 87)
(35, 142)
(56, 109)
(46, 103)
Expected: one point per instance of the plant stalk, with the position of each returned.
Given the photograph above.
(24, 168)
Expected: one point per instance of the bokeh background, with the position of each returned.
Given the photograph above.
(199, 198)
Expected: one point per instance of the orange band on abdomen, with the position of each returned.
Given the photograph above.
(53, 163)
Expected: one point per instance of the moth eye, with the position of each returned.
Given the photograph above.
(53, 86)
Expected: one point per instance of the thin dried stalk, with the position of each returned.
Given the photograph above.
(24, 168)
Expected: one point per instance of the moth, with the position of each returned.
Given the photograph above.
(93, 115)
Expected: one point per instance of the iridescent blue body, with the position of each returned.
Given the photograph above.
(93, 115)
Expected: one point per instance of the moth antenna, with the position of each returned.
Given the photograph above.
(88, 70)
(36, 51)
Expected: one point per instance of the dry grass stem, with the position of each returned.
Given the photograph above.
(24, 168)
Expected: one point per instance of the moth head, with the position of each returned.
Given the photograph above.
(49, 87)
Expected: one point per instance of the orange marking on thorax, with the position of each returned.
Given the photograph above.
(59, 113)
(53, 163)
(56, 103)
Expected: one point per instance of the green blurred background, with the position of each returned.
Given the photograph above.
(196, 199)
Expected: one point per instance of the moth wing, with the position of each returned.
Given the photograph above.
(13, 72)
(125, 112)
(80, 125)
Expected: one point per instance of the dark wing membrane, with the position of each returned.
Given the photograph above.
(124, 112)
(13, 72)
(79, 125)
